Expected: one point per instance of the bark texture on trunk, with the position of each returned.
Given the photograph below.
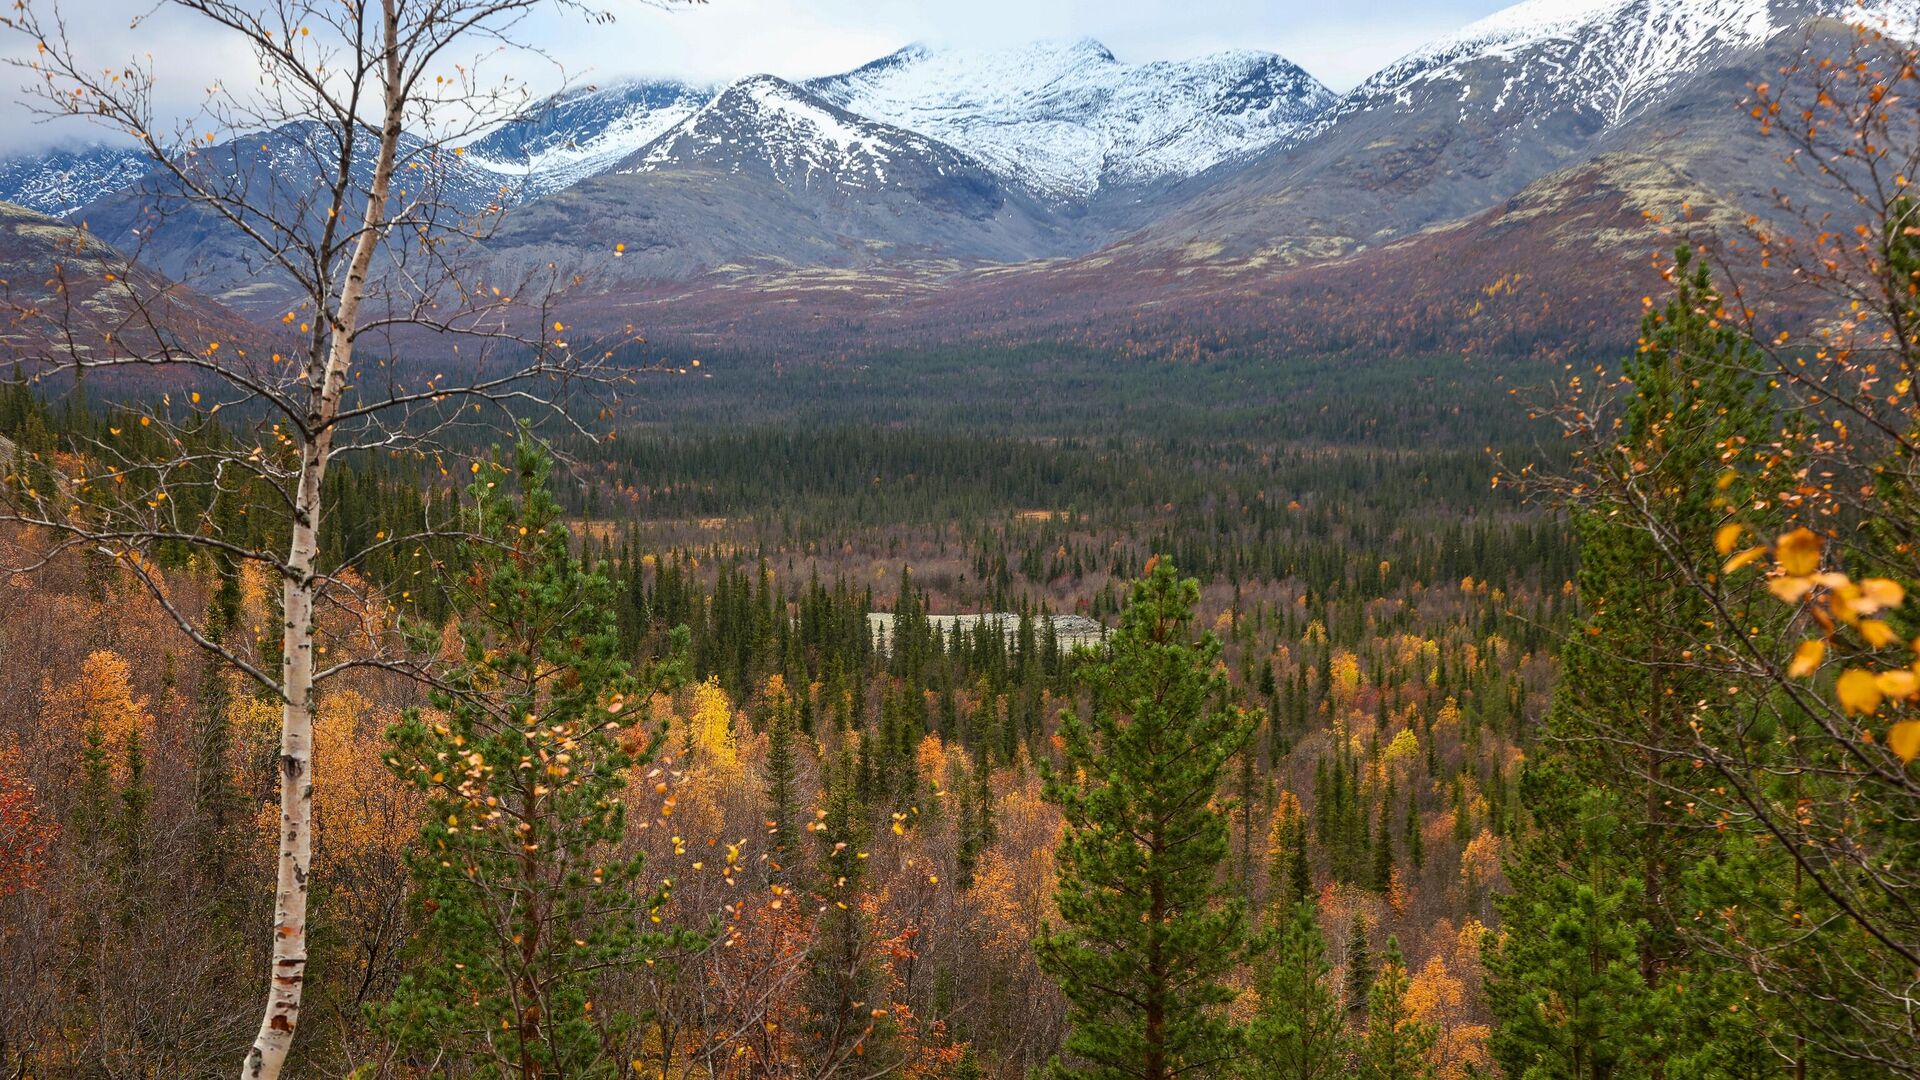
(271, 1046)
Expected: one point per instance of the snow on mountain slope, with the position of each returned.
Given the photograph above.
(62, 181)
(284, 174)
(564, 141)
(1606, 58)
(584, 133)
(768, 124)
(770, 177)
(1067, 119)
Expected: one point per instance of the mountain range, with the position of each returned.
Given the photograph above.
(1457, 198)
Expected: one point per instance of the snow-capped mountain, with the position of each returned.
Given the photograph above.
(1607, 59)
(584, 133)
(283, 174)
(769, 177)
(1067, 119)
(929, 163)
(767, 124)
(560, 142)
(1459, 125)
(62, 181)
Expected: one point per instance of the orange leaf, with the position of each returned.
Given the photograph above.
(1806, 658)
(1798, 552)
(1790, 589)
(1884, 593)
(1898, 683)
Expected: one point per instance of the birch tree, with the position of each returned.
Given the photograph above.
(392, 337)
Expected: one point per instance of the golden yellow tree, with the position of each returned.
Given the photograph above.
(99, 703)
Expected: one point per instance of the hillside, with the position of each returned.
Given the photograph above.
(63, 289)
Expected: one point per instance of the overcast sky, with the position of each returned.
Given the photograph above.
(1340, 42)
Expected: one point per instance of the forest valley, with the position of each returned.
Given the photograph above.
(837, 855)
(545, 748)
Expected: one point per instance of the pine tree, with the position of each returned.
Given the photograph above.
(1148, 935)
(1396, 1046)
(1299, 1032)
(526, 903)
(1629, 688)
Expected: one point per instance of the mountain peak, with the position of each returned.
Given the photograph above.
(585, 131)
(1605, 58)
(1068, 120)
(764, 123)
(760, 87)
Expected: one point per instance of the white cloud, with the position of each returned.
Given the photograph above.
(724, 39)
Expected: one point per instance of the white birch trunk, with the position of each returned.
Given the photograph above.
(268, 1056)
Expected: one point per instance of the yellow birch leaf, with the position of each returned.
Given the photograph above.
(1859, 692)
(1806, 658)
(1790, 589)
(1726, 536)
(1884, 592)
(1898, 683)
(1904, 739)
(1743, 558)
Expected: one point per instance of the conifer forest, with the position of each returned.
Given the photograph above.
(433, 654)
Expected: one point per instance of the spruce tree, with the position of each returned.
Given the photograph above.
(1148, 936)
(977, 831)
(1602, 848)
(93, 818)
(1416, 845)
(1380, 877)
(216, 804)
(1396, 1046)
(130, 834)
(1359, 964)
(783, 813)
(846, 1025)
(1299, 872)
(966, 854)
(985, 826)
(1299, 1032)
